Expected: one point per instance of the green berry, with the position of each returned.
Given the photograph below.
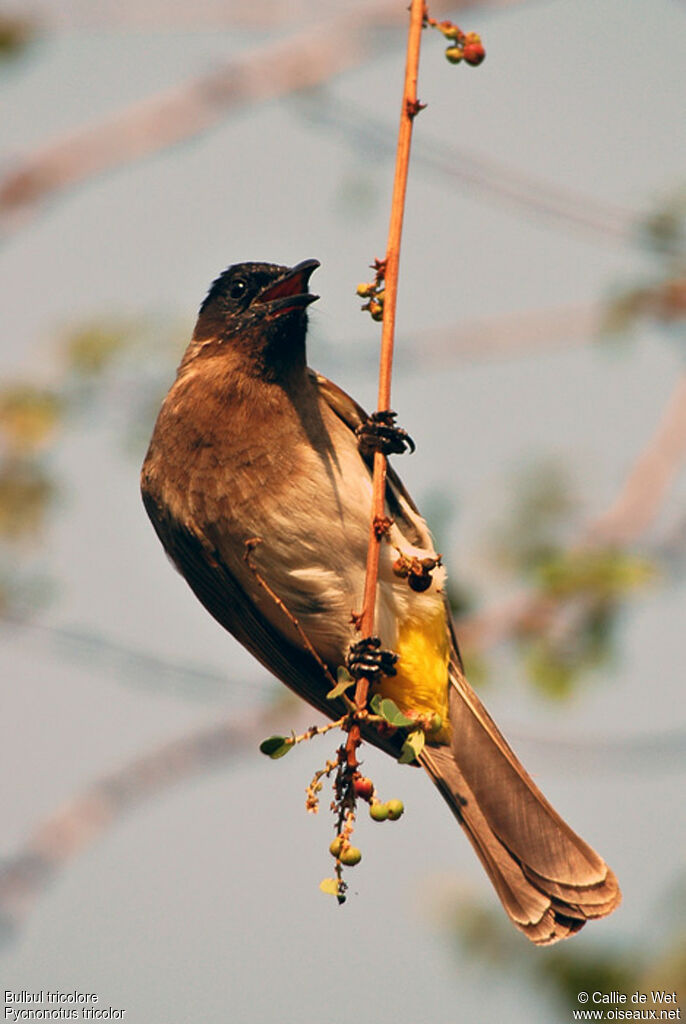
(336, 847)
(350, 856)
(435, 722)
(378, 812)
(454, 54)
(395, 809)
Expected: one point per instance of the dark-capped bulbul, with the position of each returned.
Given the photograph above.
(251, 446)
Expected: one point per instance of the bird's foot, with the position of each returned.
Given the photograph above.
(367, 658)
(379, 433)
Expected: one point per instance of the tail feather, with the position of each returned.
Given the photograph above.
(548, 879)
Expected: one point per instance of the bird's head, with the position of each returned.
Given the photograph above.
(258, 312)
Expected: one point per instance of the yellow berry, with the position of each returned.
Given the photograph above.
(454, 54)
(378, 812)
(395, 809)
(449, 30)
(336, 846)
(350, 856)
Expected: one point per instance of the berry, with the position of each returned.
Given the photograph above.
(419, 581)
(378, 812)
(364, 787)
(400, 567)
(336, 846)
(395, 809)
(435, 723)
(365, 290)
(376, 310)
(449, 30)
(350, 856)
(474, 52)
(454, 54)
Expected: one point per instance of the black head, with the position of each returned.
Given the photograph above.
(258, 309)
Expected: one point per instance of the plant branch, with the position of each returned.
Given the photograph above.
(391, 264)
(649, 480)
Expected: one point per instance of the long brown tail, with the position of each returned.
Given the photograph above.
(549, 881)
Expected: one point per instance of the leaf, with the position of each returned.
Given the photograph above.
(345, 681)
(329, 886)
(412, 747)
(276, 746)
(389, 710)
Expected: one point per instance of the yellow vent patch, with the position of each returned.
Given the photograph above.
(421, 683)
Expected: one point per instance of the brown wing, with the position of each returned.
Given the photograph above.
(218, 589)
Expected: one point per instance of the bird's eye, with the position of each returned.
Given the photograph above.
(237, 290)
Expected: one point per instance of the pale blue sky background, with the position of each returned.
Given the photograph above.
(204, 905)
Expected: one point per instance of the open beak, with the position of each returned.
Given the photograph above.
(290, 291)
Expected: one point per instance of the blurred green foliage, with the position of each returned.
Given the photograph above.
(28, 416)
(32, 426)
(26, 493)
(661, 296)
(91, 349)
(537, 522)
(605, 573)
(16, 32)
(567, 628)
(654, 960)
(586, 590)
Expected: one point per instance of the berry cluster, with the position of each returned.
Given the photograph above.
(466, 46)
(417, 571)
(378, 811)
(374, 291)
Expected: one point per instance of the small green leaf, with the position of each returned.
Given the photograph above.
(345, 681)
(276, 746)
(329, 886)
(375, 703)
(412, 747)
(389, 710)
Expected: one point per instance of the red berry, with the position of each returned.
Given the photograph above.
(474, 53)
(364, 787)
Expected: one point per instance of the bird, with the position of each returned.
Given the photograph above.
(259, 489)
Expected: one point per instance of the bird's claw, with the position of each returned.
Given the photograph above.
(379, 433)
(367, 658)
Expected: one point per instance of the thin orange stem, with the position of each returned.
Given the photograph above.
(408, 111)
